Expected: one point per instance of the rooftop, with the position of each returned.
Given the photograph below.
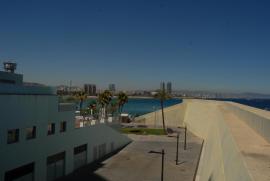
(12, 84)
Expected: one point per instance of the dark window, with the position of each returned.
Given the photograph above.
(25, 172)
(55, 158)
(55, 166)
(80, 156)
(7, 81)
(80, 149)
(63, 126)
(30, 133)
(112, 146)
(51, 128)
(102, 150)
(13, 136)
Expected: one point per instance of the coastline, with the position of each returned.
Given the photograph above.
(137, 97)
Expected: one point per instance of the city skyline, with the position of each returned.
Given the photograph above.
(213, 46)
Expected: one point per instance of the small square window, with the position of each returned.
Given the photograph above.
(63, 126)
(30, 133)
(51, 128)
(13, 136)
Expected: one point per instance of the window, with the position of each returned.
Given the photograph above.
(102, 150)
(55, 166)
(13, 136)
(25, 172)
(80, 156)
(30, 133)
(63, 126)
(51, 128)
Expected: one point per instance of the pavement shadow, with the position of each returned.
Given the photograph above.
(85, 173)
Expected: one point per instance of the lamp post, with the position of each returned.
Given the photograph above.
(162, 161)
(185, 144)
(177, 144)
(177, 148)
(155, 119)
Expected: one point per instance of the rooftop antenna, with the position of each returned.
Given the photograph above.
(10, 66)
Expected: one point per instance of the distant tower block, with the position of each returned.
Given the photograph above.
(112, 87)
(162, 86)
(169, 87)
(10, 67)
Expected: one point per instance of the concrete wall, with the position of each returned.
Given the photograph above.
(220, 159)
(174, 116)
(257, 119)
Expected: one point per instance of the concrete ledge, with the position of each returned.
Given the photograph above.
(257, 119)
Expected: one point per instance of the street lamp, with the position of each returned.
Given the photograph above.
(185, 145)
(155, 120)
(162, 160)
(177, 147)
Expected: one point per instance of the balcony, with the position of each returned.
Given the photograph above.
(86, 121)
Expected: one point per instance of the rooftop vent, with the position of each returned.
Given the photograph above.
(10, 67)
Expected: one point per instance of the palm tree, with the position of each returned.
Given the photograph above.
(104, 100)
(122, 100)
(81, 96)
(162, 95)
(113, 106)
(92, 107)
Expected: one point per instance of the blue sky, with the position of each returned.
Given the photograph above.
(196, 44)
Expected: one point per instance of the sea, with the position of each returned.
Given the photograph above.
(139, 106)
(257, 103)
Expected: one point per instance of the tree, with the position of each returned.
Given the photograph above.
(104, 100)
(81, 96)
(113, 106)
(162, 95)
(122, 100)
(92, 107)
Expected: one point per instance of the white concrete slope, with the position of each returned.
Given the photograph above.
(237, 137)
(236, 140)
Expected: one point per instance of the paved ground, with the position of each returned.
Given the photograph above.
(134, 163)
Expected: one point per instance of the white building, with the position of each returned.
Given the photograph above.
(38, 138)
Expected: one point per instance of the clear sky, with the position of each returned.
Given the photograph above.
(196, 44)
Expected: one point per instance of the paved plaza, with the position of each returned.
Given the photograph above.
(135, 163)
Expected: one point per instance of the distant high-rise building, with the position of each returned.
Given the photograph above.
(162, 86)
(90, 89)
(112, 87)
(169, 87)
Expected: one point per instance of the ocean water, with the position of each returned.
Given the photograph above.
(140, 106)
(257, 103)
(137, 107)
